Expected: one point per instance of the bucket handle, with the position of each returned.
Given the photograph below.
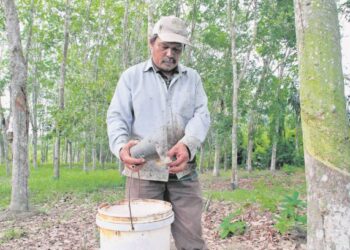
(105, 204)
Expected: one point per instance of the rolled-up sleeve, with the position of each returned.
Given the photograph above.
(120, 116)
(197, 128)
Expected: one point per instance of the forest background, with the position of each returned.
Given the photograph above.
(105, 37)
(76, 50)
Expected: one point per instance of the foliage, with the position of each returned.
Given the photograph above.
(231, 225)
(291, 213)
(95, 63)
(266, 190)
(345, 10)
(289, 169)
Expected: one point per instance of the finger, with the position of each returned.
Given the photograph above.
(134, 168)
(130, 144)
(171, 153)
(179, 160)
(177, 169)
(133, 161)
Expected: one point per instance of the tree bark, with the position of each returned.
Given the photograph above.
(100, 151)
(216, 168)
(274, 147)
(93, 157)
(225, 161)
(150, 18)
(235, 84)
(250, 145)
(5, 141)
(125, 35)
(188, 56)
(77, 150)
(29, 40)
(1, 149)
(34, 118)
(324, 123)
(278, 114)
(19, 108)
(61, 92)
(70, 153)
(236, 80)
(253, 115)
(85, 163)
(201, 159)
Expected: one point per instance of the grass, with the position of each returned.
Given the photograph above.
(268, 189)
(97, 185)
(11, 234)
(104, 185)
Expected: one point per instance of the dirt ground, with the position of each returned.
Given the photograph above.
(68, 225)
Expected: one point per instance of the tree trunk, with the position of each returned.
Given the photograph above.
(253, 115)
(56, 157)
(61, 91)
(30, 25)
(324, 124)
(43, 151)
(19, 108)
(70, 153)
(2, 154)
(225, 161)
(235, 84)
(78, 154)
(250, 146)
(34, 118)
(274, 147)
(100, 153)
(46, 150)
(5, 141)
(111, 160)
(201, 159)
(35, 148)
(85, 163)
(65, 155)
(216, 170)
(150, 18)
(93, 157)
(188, 55)
(209, 159)
(125, 35)
(236, 80)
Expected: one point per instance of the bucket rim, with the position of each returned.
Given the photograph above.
(104, 214)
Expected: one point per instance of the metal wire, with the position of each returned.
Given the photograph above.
(130, 183)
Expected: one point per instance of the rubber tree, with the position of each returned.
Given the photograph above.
(19, 110)
(237, 77)
(56, 161)
(324, 123)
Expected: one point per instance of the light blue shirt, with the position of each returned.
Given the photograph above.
(142, 106)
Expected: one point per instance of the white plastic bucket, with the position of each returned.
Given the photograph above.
(151, 220)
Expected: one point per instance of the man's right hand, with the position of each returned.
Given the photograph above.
(134, 164)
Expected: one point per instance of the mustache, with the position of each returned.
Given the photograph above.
(169, 60)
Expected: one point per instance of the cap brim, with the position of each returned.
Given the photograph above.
(174, 38)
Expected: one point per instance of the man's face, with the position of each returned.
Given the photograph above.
(165, 55)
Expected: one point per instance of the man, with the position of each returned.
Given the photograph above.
(163, 102)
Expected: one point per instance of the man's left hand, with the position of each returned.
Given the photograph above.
(180, 152)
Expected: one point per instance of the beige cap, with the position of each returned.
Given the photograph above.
(171, 29)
